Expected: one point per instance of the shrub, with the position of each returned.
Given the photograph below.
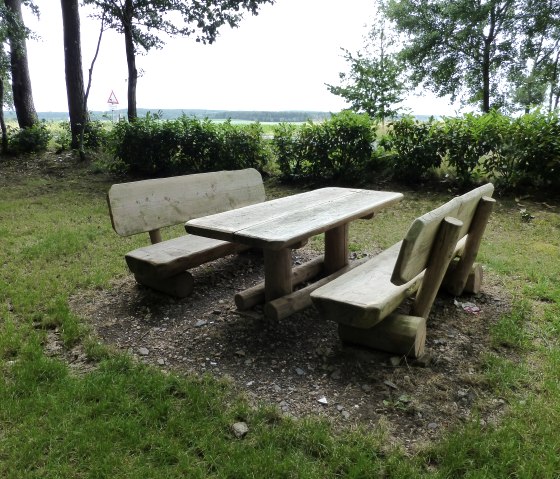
(338, 149)
(29, 140)
(151, 147)
(417, 147)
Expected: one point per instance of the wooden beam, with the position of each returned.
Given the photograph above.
(277, 273)
(287, 305)
(456, 282)
(155, 236)
(180, 285)
(397, 334)
(442, 251)
(255, 295)
(336, 248)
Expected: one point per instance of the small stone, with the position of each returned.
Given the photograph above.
(240, 430)
(366, 388)
(300, 372)
(200, 323)
(240, 353)
(143, 351)
(161, 362)
(423, 361)
(339, 407)
(345, 414)
(433, 425)
(322, 400)
(248, 362)
(391, 384)
(395, 361)
(336, 374)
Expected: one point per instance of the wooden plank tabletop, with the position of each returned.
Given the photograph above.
(279, 223)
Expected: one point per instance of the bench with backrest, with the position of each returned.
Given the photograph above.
(363, 301)
(149, 205)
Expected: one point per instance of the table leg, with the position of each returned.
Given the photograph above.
(336, 248)
(277, 273)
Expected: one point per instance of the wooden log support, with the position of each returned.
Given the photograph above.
(336, 248)
(278, 272)
(285, 306)
(155, 236)
(442, 252)
(474, 278)
(456, 282)
(180, 285)
(255, 295)
(397, 334)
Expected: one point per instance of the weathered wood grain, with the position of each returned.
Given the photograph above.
(142, 206)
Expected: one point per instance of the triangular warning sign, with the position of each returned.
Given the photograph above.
(113, 99)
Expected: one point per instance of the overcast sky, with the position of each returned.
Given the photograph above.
(278, 60)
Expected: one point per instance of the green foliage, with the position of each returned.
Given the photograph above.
(456, 47)
(373, 84)
(151, 147)
(338, 149)
(29, 140)
(416, 146)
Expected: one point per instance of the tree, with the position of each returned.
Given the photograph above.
(77, 106)
(21, 81)
(458, 46)
(141, 20)
(5, 97)
(535, 74)
(373, 84)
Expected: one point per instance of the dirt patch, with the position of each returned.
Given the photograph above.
(299, 364)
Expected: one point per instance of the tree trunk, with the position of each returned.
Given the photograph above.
(486, 77)
(21, 82)
(130, 60)
(4, 147)
(73, 68)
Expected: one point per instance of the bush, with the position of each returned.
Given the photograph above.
(417, 147)
(338, 149)
(29, 140)
(151, 147)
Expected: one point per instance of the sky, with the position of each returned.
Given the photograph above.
(276, 61)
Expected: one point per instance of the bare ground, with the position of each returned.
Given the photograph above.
(299, 364)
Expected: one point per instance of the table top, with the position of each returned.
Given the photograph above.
(281, 222)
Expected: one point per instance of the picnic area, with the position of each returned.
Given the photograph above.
(200, 357)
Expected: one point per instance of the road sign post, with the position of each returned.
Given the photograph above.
(112, 101)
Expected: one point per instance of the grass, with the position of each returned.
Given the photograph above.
(127, 420)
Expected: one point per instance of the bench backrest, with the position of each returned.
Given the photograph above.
(417, 244)
(144, 206)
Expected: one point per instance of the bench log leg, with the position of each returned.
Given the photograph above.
(179, 285)
(473, 282)
(397, 334)
(456, 282)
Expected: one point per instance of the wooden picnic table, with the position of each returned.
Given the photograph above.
(279, 225)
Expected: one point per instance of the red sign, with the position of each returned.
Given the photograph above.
(113, 99)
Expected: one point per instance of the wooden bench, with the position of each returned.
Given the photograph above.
(364, 299)
(147, 206)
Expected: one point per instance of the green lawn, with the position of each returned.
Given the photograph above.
(125, 420)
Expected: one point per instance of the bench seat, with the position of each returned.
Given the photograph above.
(168, 258)
(365, 295)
